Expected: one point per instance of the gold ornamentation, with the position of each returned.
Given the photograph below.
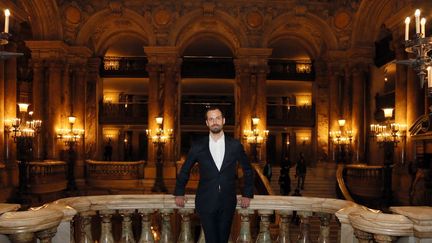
(342, 19)
(254, 19)
(162, 17)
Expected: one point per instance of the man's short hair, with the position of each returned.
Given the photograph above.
(212, 108)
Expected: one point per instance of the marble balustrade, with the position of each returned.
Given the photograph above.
(69, 220)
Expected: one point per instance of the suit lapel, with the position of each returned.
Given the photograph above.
(227, 151)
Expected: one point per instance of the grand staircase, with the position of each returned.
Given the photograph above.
(320, 182)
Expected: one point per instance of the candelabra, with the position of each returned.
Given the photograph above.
(4, 38)
(23, 130)
(255, 137)
(70, 136)
(342, 140)
(159, 138)
(388, 135)
(420, 46)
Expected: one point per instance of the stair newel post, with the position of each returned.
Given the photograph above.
(127, 234)
(284, 234)
(186, 231)
(166, 234)
(146, 233)
(304, 236)
(106, 227)
(244, 234)
(264, 232)
(324, 236)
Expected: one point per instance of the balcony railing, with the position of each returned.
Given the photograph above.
(57, 221)
(123, 113)
(293, 116)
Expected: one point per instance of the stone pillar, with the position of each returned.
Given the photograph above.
(334, 103)
(93, 91)
(39, 93)
(10, 105)
(322, 103)
(358, 123)
(250, 91)
(401, 93)
(415, 108)
(164, 68)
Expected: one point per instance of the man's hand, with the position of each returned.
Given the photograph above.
(245, 202)
(180, 201)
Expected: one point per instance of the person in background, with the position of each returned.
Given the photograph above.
(284, 177)
(301, 171)
(108, 149)
(268, 171)
(216, 199)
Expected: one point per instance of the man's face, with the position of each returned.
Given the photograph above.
(215, 121)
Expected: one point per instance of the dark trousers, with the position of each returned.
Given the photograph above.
(217, 225)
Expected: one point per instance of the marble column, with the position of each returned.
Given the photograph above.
(10, 104)
(38, 90)
(93, 92)
(358, 125)
(250, 91)
(322, 101)
(164, 68)
(415, 108)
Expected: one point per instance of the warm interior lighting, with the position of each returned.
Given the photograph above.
(72, 120)
(255, 121)
(341, 122)
(388, 112)
(23, 107)
(159, 120)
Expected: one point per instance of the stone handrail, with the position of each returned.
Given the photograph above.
(56, 221)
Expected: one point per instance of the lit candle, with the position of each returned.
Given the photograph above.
(407, 22)
(7, 14)
(417, 20)
(423, 27)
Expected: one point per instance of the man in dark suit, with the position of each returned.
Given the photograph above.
(217, 156)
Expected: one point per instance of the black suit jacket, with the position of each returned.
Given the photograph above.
(216, 187)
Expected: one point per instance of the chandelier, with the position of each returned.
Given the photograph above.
(70, 135)
(255, 135)
(341, 136)
(419, 45)
(388, 132)
(24, 126)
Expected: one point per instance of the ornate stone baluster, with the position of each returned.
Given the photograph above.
(202, 236)
(46, 236)
(385, 238)
(304, 227)
(186, 231)
(127, 234)
(264, 233)
(27, 237)
(363, 237)
(324, 228)
(284, 235)
(146, 233)
(166, 235)
(85, 227)
(244, 234)
(106, 227)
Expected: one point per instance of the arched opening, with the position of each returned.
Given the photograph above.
(123, 105)
(290, 111)
(207, 80)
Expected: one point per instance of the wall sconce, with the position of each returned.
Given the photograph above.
(23, 127)
(388, 132)
(70, 135)
(255, 135)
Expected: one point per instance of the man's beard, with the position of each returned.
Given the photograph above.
(216, 129)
